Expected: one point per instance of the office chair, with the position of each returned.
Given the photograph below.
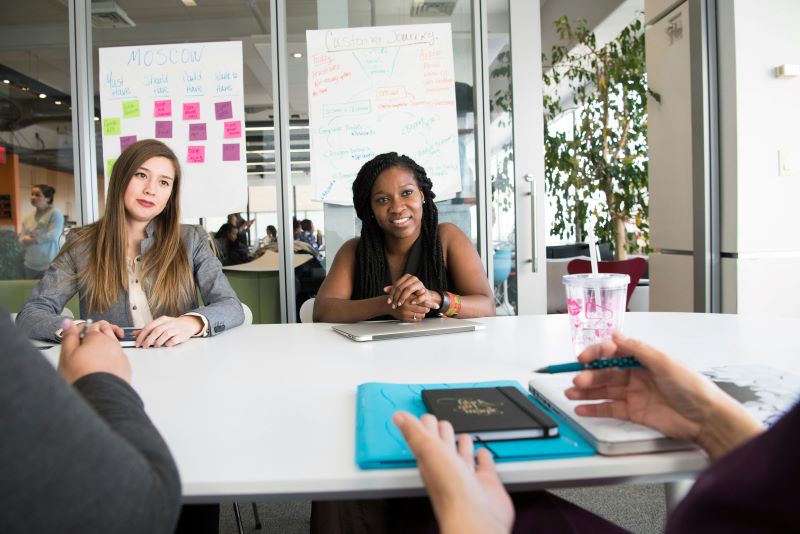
(633, 267)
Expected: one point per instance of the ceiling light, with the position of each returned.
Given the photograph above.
(6, 81)
(297, 55)
(58, 102)
(42, 95)
(189, 3)
(97, 118)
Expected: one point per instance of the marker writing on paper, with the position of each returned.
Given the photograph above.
(625, 362)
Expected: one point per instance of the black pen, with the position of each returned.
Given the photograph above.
(624, 362)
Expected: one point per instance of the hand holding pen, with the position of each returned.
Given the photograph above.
(623, 362)
(98, 351)
(662, 394)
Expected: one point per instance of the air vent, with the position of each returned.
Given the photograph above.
(433, 8)
(107, 14)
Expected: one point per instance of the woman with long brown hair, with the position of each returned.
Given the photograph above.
(137, 265)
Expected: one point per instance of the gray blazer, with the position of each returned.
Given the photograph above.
(40, 315)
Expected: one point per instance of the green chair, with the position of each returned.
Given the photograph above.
(15, 293)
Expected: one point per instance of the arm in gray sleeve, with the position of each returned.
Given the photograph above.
(40, 317)
(221, 306)
(88, 462)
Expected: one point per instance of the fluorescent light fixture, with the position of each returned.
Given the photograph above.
(58, 102)
(42, 95)
(97, 118)
(6, 81)
(189, 3)
(297, 55)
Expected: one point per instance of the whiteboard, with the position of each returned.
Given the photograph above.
(191, 97)
(381, 89)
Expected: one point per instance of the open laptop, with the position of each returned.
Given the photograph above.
(375, 330)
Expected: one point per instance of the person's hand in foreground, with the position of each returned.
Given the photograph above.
(466, 496)
(663, 395)
(98, 352)
(167, 331)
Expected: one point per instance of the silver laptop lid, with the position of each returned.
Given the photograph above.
(371, 331)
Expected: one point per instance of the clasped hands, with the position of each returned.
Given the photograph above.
(165, 331)
(409, 300)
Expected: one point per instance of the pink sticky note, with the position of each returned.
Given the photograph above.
(233, 129)
(126, 140)
(191, 111)
(224, 110)
(196, 154)
(163, 129)
(197, 132)
(230, 152)
(162, 108)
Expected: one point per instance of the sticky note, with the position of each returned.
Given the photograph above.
(197, 132)
(163, 129)
(111, 127)
(191, 111)
(126, 140)
(130, 109)
(196, 154)
(110, 166)
(162, 108)
(224, 110)
(233, 129)
(230, 152)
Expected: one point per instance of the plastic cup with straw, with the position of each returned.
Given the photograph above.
(595, 302)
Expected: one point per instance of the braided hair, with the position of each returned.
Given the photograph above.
(371, 269)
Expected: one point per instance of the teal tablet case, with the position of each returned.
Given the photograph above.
(380, 445)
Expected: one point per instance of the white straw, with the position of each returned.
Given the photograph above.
(593, 251)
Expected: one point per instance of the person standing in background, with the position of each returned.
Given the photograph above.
(41, 232)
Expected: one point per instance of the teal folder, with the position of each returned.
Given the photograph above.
(379, 443)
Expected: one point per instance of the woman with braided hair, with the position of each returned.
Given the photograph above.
(405, 264)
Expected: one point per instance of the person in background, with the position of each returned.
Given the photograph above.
(298, 230)
(307, 234)
(241, 224)
(232, 250)
(138, 266)
(41, 232)
(78, 452)
(747, 487)
(272, 234)
(405, 264)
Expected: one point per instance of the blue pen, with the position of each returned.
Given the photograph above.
(625, 362)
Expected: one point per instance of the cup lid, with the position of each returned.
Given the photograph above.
(597, 281)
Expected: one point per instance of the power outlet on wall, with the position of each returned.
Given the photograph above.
(787, 162)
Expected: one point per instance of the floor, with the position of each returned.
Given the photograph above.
(640, 509)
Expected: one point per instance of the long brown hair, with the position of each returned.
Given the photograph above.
(167, 276)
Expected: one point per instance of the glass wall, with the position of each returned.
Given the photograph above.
(35, 136)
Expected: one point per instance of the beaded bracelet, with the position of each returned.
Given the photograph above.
(454, 307)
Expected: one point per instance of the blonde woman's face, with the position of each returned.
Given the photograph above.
(149, 189)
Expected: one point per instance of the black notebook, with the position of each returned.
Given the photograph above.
(490, 414)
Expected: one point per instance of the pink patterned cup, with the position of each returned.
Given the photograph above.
(596, 306)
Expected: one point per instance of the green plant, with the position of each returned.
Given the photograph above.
(500, 103)
(597, 171)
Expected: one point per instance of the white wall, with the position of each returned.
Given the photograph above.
(759, 116)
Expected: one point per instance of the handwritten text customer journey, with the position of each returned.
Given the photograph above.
(377, 89)
(189, 96)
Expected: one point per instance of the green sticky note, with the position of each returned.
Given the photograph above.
(110, 166)
(111, 127)
(130, 109)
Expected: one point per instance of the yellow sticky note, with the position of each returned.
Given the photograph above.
(111, 127)
(110, 166)
(130, 109)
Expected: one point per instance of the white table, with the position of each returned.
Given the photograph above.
(267, 411)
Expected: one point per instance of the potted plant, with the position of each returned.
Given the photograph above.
(596, 171)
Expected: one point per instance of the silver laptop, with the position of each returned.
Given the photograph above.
(372, 331)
